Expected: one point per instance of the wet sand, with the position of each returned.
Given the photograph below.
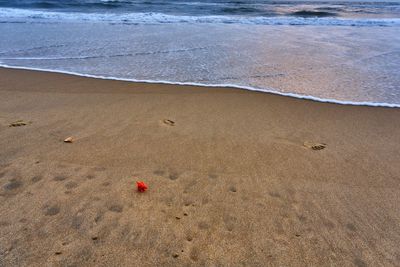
(234, 181)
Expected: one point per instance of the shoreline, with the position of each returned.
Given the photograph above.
(228, 86)
(238, 177)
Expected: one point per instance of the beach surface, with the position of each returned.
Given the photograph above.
(236, 178)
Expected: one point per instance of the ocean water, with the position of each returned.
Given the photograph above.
(338, 51)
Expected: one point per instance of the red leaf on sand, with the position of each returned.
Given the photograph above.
(141, 186)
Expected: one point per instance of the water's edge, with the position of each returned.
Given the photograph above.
(271, 90)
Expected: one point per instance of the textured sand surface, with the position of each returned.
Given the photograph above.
(234, 181)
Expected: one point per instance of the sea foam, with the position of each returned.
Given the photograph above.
(25, 15)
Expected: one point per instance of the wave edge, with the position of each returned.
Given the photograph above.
(249, 88)
(15, 14)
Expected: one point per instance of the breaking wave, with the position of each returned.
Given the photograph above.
(13, 15)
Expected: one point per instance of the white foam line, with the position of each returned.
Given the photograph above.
(15, 14)
(271, 91)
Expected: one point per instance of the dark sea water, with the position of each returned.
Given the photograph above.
(343, 51)
(263, 8)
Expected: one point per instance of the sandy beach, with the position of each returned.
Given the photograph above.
(233, 181)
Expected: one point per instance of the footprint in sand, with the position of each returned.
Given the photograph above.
(159, 172)
(13, 184)
(359, 262)
(187, 202)
(314, 146)
(233, 189)
(36, 178)
(212, 176)
(194, 254)
(18, 123)
(173, 176)
(230, 222)
(2, 174)
(275, 194)
(51, 211)
(203, 225)
(116, 208)
(168, 122)
(90, 176)
(71, 185)
(59, 178)
(106, 184)
(351, 227)
(99, 169)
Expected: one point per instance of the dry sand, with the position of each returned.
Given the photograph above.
(233, 182)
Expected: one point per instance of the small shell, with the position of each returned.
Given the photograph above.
(68, 140)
